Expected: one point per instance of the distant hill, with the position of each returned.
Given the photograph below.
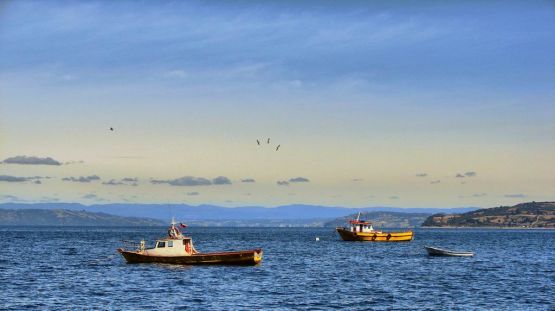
(384, 219)
(212, 212)
(62, 217)
(296, 223)
(530, 215)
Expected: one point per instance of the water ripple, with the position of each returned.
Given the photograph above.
(61, 268)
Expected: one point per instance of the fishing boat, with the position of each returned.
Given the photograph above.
(435, 251)
(178, 249)
(362, 230)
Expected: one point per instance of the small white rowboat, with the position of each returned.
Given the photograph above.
(434, 251)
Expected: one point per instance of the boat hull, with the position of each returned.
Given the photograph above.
(245, 258)
(347, 235)
(434, 251)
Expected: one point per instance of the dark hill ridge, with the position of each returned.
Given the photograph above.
(62, 217)
(384, 219)
(529, 215)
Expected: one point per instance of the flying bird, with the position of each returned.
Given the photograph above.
(268, 141)
(112, 129)
(258, 142)
(277, 148)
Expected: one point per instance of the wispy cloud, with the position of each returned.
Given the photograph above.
(467, 174)
(191, 181)
(12, 198)
(176, 73)
(74, 162)
(82, 179)
(9, 178)
(128, 157)
(479, 195)
(113, 182)
(516, 195)
(46, 199)
(421, 175)
(124, 181)
(435, 181)
(282, 183)
(299, 179)
(248, 180)
(94, 197)
(221, 180)
(188, 181)
(32, 160)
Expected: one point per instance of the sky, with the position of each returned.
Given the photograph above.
(373, 103)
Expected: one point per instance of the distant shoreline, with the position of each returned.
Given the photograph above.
(488, 227)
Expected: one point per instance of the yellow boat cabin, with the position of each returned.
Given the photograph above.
(362, 230)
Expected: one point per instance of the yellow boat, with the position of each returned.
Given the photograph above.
(362, 230)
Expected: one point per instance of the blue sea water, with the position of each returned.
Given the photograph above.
(78, 268)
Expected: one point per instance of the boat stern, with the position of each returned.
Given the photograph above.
(258, 253)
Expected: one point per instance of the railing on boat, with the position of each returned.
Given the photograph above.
(133, 245)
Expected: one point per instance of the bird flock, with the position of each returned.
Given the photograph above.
(267, 142)
(257, 141)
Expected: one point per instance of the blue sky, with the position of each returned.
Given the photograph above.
(509, 41)
(398, 88)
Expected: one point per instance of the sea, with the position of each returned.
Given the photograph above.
(78, 268)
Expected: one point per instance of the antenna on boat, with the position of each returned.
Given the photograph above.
(170, 210)
(358, 216)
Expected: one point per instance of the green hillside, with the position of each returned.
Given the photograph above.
(61, 217)
(529, 215)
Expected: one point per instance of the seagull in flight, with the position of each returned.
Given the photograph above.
(112, 129)
(258, 142)
(277, 148)
(268, 141)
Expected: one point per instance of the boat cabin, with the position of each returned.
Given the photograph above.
(171, 247)
(360, 226)
(175, 244)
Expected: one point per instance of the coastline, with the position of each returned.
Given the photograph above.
(489, 227)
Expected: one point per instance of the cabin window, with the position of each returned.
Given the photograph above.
(170, 243)
(161, 244)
